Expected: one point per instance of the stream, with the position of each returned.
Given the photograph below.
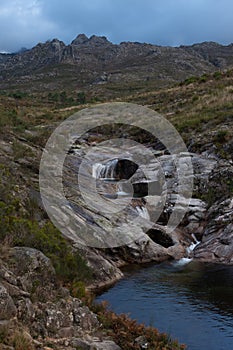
(192, 302)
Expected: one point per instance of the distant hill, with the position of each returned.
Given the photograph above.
(96, 61)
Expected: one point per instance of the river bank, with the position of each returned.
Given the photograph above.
(192, 302)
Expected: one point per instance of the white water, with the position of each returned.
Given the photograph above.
(182, 262)
(143, 212)
(97, 168)
(122, 193)
(189, 253)
(105, 171)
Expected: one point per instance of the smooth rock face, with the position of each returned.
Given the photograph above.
(156, 205)
(217, 242)
(212, 226)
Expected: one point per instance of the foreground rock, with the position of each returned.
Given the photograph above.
(32, 301)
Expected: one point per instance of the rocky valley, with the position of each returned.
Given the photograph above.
(46, 277)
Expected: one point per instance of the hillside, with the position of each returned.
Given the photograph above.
(96, 64)
(43, 275)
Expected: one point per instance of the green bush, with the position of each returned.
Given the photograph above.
(16, 228)
(217, 75)
(203, 78)
(69, 265)
(81, 98)
(189, 80)
(17, 95)
(221, 136)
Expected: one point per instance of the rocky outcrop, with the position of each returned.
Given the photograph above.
(214, 53)
(217, 241)
(95, 60)
(31, 300)
(41, 55)
(150, 206)
(208, 216)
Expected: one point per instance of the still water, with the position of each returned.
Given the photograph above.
(193, 303)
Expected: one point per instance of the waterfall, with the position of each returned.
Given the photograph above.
(104, 171)
(143, 212)
(192, 246)
(189, 252)
(121, 191)
(97, 169)
(110, 169)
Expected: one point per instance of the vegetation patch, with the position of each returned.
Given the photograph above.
(17, 229)
(129, 334)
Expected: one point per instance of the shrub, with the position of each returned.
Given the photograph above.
(69, 265)
(17, 229)
(17, 338)
(124, 331)
(81, 98)
(217, 75)
(203, 78)
(221, 136)
(189, 80)
(22, 342)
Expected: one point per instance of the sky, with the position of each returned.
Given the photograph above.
(24, 23)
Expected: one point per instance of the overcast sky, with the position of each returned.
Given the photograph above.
(24, 23)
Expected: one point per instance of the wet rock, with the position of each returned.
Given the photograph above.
(160, 237)
(118, 169)
(143, 189)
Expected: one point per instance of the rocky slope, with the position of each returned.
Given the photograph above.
(96, 61)
(208, 216)
(201, 109)
(37, 313)
(36, 310)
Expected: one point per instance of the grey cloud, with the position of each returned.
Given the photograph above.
(163, 22)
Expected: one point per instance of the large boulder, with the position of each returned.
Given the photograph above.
(217, 241)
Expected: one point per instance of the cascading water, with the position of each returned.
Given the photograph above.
(97, 169)
(121, 189)
(104, 171)
(143, 212)
(189, 253)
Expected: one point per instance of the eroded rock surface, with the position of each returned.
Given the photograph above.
(30, 298)
(217, 241)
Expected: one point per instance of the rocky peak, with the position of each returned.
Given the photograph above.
(218, 55)
(80, 39)
(94, 40)
(204, 45)
(99, 40)
(50, 44)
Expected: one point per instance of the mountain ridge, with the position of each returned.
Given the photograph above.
(95, 60)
